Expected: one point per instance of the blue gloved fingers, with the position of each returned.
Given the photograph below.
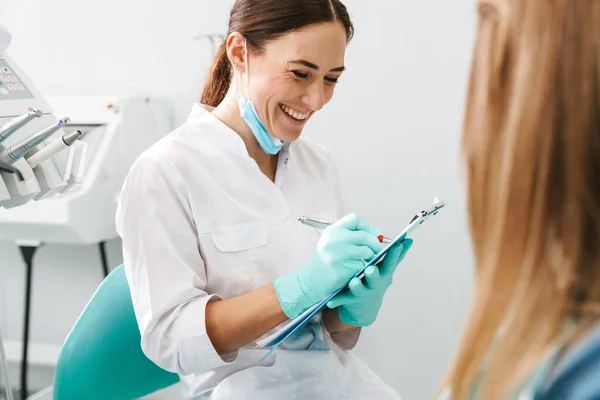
(394, 257)
(388, 264)
(357, 292)
(358, 288)
(406, 245)
(354, 266)
(343, 299)
(361, 238)
(373, 279)
(354, 222)
(362, 253)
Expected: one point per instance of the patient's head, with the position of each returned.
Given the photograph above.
(531, 142)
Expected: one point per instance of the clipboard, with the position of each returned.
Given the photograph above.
(274, 340)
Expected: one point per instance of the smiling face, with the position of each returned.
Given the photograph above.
(295, 76)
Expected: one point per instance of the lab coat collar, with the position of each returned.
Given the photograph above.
(202, 113)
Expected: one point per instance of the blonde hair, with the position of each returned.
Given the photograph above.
(531, 142)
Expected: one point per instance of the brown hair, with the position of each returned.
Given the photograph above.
(263, 20)
(531, 142)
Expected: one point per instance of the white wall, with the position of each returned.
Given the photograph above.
(394, 126)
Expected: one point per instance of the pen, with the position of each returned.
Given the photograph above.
(321, 224)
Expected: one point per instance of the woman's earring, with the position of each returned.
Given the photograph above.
(235, 65)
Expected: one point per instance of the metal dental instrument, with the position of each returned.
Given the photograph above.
(44, 154)
(17, 123)
(17, 151)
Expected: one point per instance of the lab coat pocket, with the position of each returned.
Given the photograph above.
(241, 237)
(230, 255)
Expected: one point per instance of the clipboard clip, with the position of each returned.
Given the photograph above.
(431, 211)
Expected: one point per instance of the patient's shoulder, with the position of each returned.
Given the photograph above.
(578, 374)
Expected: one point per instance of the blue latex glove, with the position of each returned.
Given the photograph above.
(360, 304)
(342, 251)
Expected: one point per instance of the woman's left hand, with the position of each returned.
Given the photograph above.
(360, 304)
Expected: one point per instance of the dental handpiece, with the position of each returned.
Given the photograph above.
(17, 123)
(12, 154)
(44, 154)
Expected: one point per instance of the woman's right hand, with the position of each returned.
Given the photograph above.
(342, 250)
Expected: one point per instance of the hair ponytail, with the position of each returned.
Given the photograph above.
(219, 79)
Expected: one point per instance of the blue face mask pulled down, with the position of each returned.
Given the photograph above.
(267, 142)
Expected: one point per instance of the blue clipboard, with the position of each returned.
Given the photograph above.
(288, 330)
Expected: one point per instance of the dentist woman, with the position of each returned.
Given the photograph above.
(213, 253)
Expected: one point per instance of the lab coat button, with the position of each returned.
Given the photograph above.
(344, 393)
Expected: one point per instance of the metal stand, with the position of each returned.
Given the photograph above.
(27, 252)
(103, 258)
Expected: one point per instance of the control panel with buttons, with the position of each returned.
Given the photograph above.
(11, 86)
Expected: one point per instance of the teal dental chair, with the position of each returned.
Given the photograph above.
(102, 358)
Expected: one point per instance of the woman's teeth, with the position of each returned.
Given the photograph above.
(294, 114)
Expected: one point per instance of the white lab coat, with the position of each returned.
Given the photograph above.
(199, 222)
